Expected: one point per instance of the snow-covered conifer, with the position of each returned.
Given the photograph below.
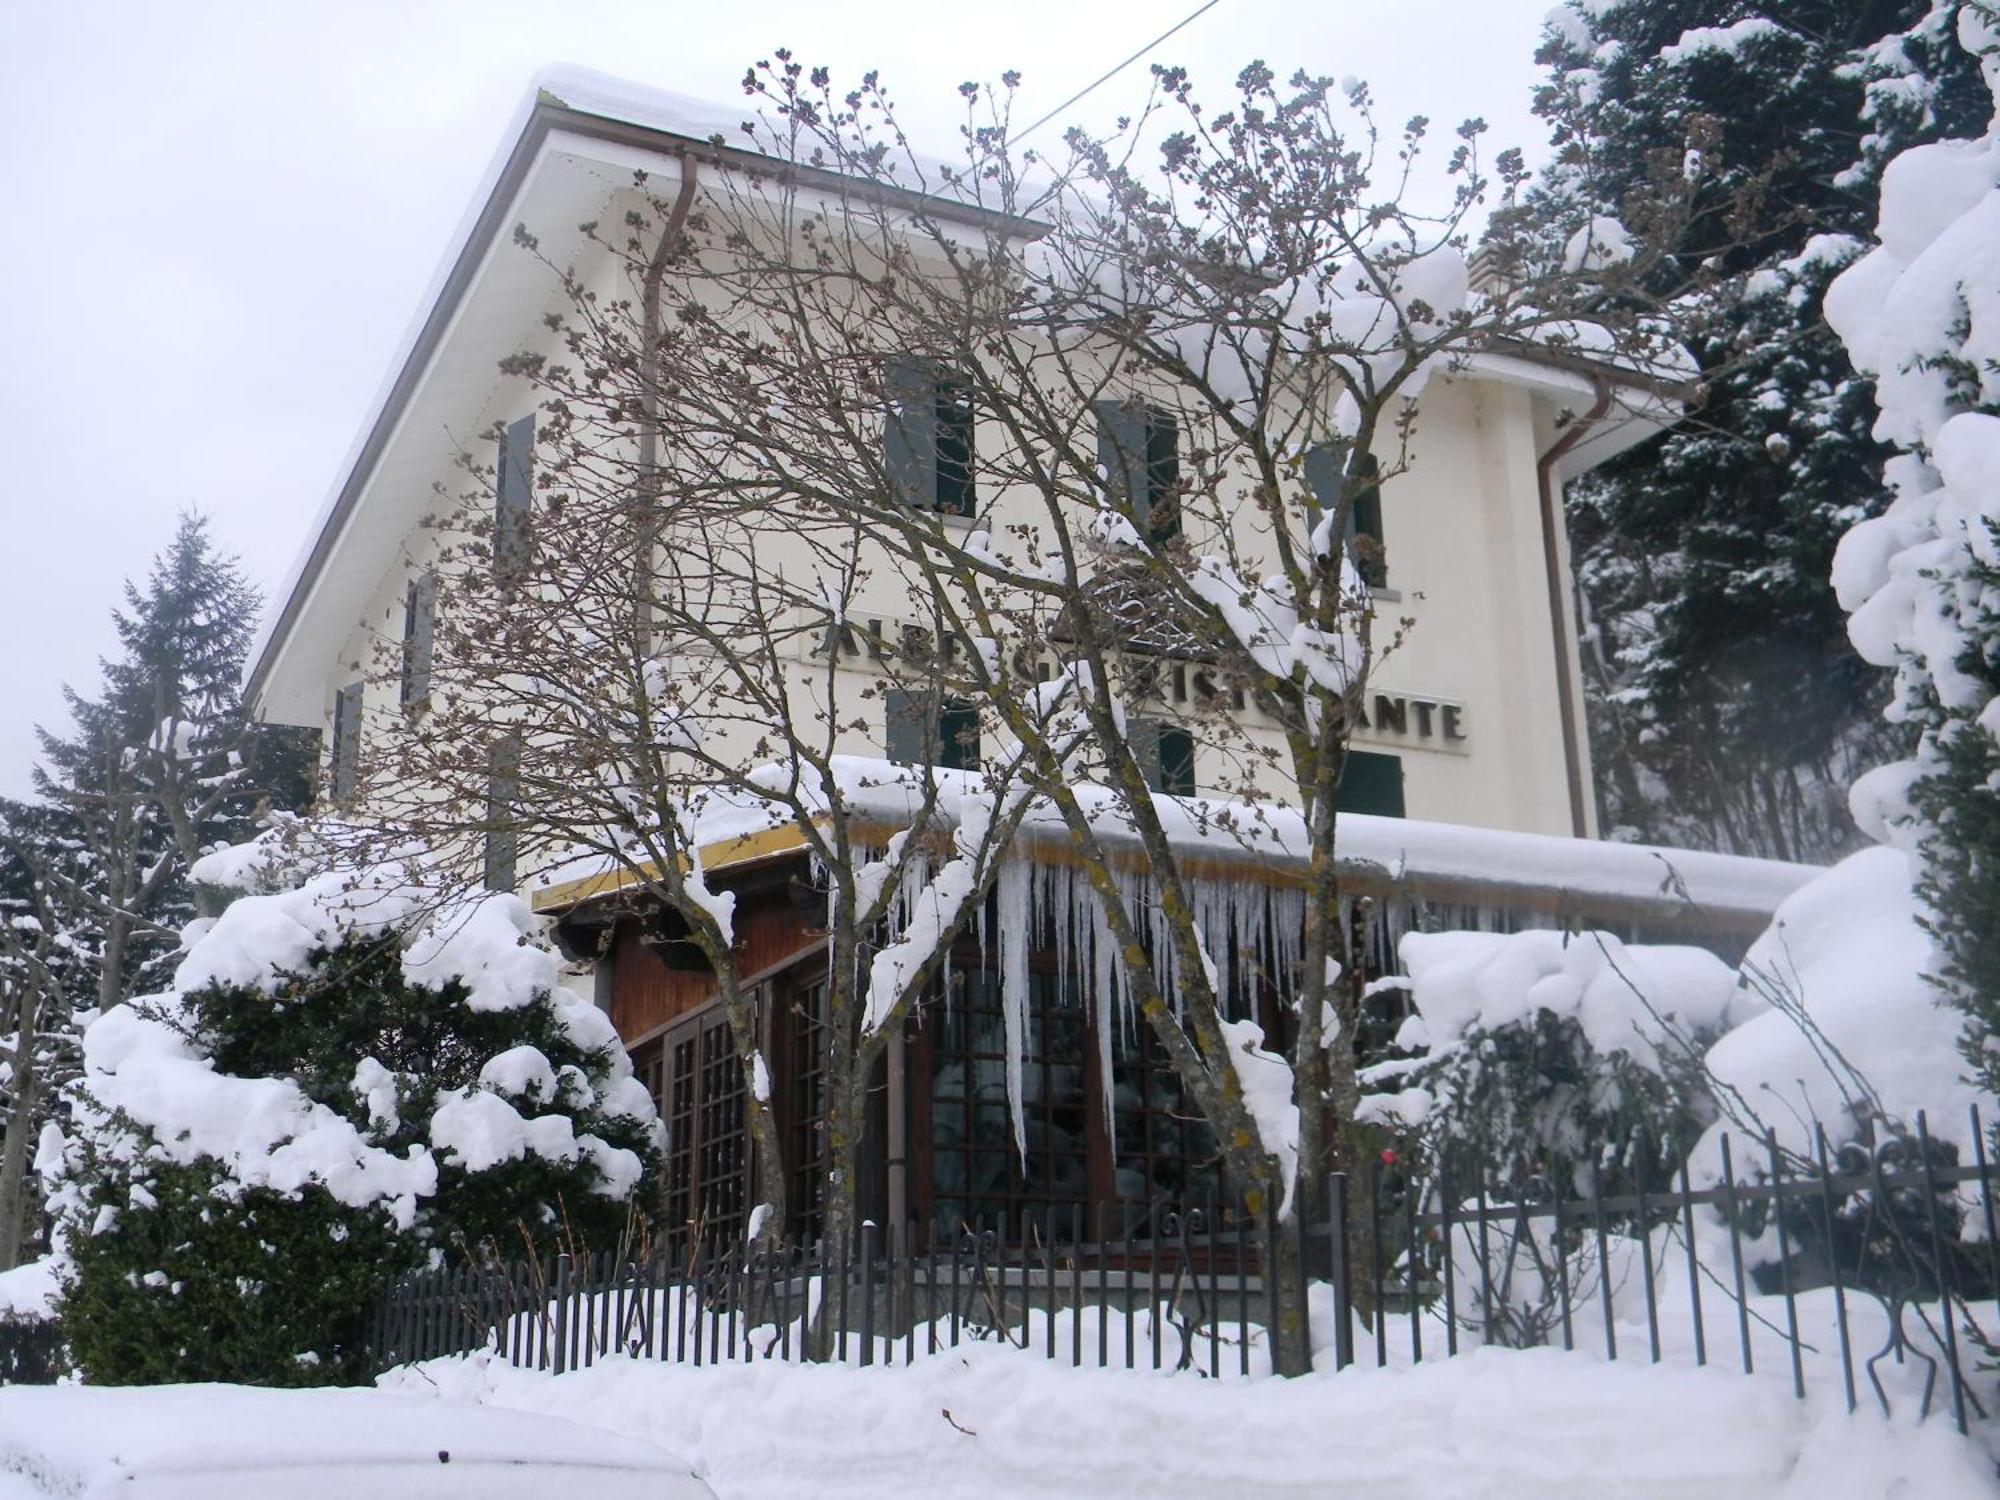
(1729, 711)
(349, 1078)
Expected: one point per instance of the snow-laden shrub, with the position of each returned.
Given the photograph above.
(1561, 1060)
(348, 1079)
(1921, 582)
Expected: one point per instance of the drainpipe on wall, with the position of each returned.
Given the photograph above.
(649, 397)
(1559, 600)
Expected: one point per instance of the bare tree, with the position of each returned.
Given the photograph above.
(1075, 428)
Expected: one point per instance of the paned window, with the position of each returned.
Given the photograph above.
(1166, 755)
(1371, 782)
(922, 729)
(928, 439)
(1363, 539)
(980, 1172)
(1139, 448)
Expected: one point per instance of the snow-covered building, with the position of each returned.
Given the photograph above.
(1470, 792)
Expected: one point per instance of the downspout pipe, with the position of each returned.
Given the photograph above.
(1552, 523)
(649, 396)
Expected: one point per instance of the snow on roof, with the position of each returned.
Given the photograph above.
(1539, 870)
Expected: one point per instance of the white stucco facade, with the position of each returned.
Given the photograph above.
(1471, 701)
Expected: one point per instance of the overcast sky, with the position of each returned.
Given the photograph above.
(223, 217)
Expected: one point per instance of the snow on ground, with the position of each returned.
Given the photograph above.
(222, 1442)
(991, 1421)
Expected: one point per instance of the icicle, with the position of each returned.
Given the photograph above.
(1016, 937)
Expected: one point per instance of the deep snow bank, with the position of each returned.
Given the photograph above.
(987, 1421)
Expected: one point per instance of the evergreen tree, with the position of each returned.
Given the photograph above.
(254, 1159)
(39, 1025)
(163, 764)
(1921, 314)
(1729, 711)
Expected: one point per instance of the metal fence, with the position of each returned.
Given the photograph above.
(1837, 1266)
(32, 1352)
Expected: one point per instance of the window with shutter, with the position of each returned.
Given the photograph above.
(512, 500)
(503, 792)
(1371, 782)
(1364, 518)
(908, 725)
(1165, 753)
(958, 735)
(923, 730)
(1139, 448)
(346, 757)
(927, 440)
(419, 629)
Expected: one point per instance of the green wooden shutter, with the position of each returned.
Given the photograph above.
(346, 742)
(419, 634)
(1176, 758)
(1371, 783)
(503, 793)
(1163, 477)
(909, 440)
(513, 496)
(1121, 449)
(909, 726)
(1143, 736)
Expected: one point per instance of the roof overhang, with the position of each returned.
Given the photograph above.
(563, 163)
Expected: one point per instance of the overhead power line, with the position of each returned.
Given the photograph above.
(1121, 67)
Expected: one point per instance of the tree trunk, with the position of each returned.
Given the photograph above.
(845, 1118)
(20, 1131)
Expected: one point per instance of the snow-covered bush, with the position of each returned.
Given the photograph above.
(1571, 1057)
(1921, 313)
(348, 1079)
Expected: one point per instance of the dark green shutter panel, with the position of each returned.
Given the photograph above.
(1121, 449)
(513, 497)
(419, 634)
(1163, 477)
(1371, 783)
(503, 792)
(1143, 735)
(908, 726)
(909, 442)
(346, 742)
(1176, 752)
(1322, 471)
(958, 736)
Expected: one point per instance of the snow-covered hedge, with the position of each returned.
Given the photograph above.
(1531, 1052)
(349, 1077)
(1921, 314)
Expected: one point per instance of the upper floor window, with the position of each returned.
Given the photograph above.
(419, 630)
(924, 729)
(513, 494)
(1371, 782)
(345, 760)
(503, 795)
(1363, 539)
(927, 442)
(1165, 753)
(1139, 447)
